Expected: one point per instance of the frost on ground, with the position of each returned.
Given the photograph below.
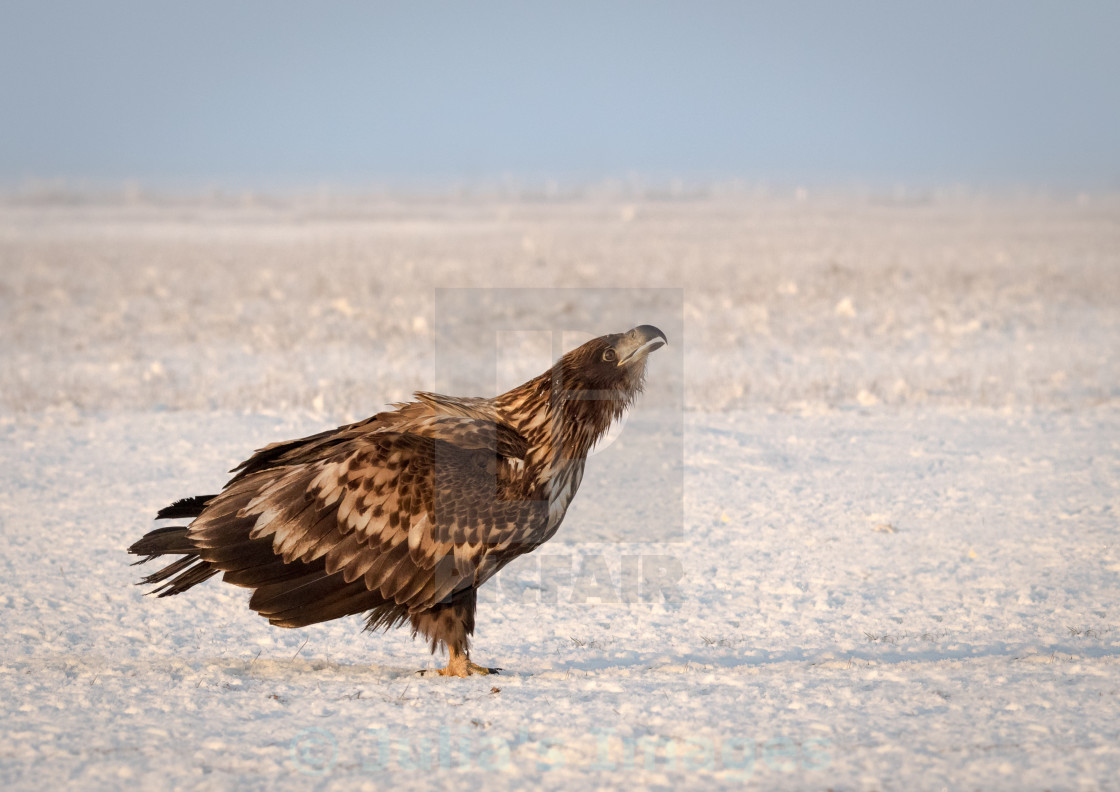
(898, 565)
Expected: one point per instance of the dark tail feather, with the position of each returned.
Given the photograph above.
(191, 570)
(163, 541)
(317, 597)
(187, 507)
(179, 575)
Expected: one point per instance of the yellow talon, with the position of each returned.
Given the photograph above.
(460, 665)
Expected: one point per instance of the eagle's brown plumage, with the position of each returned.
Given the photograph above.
(404, 515)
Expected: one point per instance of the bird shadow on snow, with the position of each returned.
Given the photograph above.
(233, 673)
(623, 663)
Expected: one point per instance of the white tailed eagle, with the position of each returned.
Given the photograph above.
(404, 515)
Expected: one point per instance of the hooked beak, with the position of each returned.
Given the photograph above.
(638, 343)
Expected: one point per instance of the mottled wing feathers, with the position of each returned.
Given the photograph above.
(292, 452)
(470, 422)
(422, 506)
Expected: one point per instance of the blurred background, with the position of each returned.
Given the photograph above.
(251, 205)
(274, 94)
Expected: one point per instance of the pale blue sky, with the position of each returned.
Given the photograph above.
(273, 93)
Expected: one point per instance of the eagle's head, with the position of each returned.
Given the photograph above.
(611, 364)
(569, 407)
(596, 382)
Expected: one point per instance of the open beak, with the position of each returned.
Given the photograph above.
(638, 343)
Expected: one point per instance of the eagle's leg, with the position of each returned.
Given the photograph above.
(452, 623)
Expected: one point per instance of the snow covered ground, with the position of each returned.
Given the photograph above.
(897, 564)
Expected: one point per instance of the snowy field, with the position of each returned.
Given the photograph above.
(896, 564)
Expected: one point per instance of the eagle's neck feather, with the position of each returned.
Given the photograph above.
(559, 424)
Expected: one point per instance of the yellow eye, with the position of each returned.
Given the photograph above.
(610, 356)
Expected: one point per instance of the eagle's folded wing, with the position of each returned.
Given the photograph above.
(416, 512)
